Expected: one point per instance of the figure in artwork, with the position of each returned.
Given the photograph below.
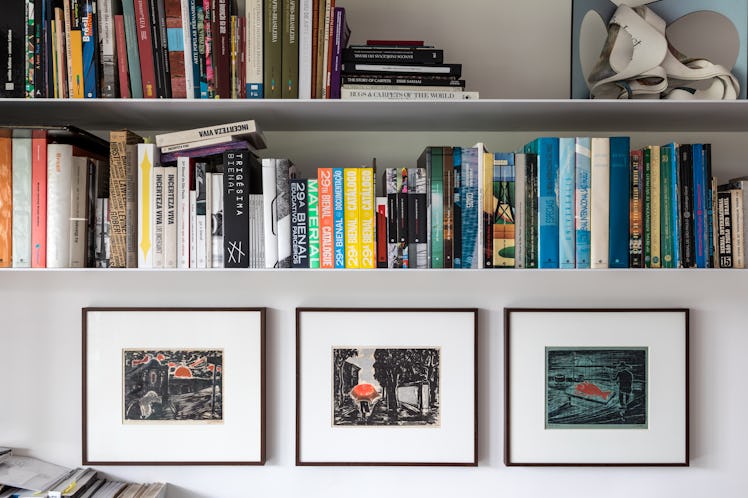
(386, 386)
(590, 387)
(163, 386)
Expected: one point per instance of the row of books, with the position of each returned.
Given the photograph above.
(173, 48)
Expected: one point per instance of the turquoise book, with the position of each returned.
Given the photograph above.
(669, 205)
(620, 183)
(133, 56)
(582, 205)
(566, 202)
(546, 149)
(338, 210)
(437, 207)
(699, 210)
(470, 208)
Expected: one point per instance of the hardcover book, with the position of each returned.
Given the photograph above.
(12, 31)
(437, 206)
(725, 229)
(381, 231)
(394, 248)
(146, 232)
(270, 214)
(546, 149)
(236, 252)
(700, 212)
(145, 49)
(417, 219)
(39, 199)
(178, 50)
(170, 217)
(449, 205)
(685, 206)
(655, 209)
(367, 218)
(272, 53)
(339, 226)
(636, 259)
(457, 211)
(242, 130)
(133, 49)
(290, 50)
(123, 202)
(6, 199)
(669, 237)
(326, 218)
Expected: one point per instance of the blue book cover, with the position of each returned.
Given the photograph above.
(90, 40)
(470, 207)
(338, 209)
(566, 202)
(620, 182)
(546, 149)
(699, 210)
(582, 214)
(457, 215)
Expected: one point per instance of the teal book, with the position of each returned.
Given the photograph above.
(566, 202)
(701, 233)
(620, 183)
(546, 149)
(133, 55)
(457, 215)
(437, 207)
(669, 205)
(471, 248)
(504, 202)
(582, 202)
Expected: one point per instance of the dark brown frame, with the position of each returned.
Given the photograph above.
(474, 463)
(263, 405)
(507, 389)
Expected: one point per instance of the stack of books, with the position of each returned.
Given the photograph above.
(400, 70)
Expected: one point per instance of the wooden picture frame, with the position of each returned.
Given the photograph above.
(596, 387)
(386, 386)
(173, 386)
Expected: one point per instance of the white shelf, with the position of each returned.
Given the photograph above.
(336, 115)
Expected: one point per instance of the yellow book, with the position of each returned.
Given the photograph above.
(76, 52)
(367, 219)
(352, 200)
(146, 232)
(654, 175)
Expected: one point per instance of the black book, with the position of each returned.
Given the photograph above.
(158, 44)
(236, 182)
(453, 70)
(49, 73)
(37, 34)
(685, 184)
(12, 32)
(299, 223)
(724, 217)
(402, 208)
(408, 55)
(401, 79)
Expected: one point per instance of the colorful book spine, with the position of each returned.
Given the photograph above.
(306, 33)
(314, 228)
(21, 201)
(89, 47)
(221, 21)
(417, 219)
(504, 215)
(146, 163)
(381, 231)
(620, 184)
(655, 210)
(158, 216)
(326, 218)
(711, 201)
(471, 250)
(235, 209)
(191, 48)
(339, 222)
(290, 50)
(566, 202)
(39, 199)
(669, 206)
(179, 52)
(6, 199)
(546, 149)
(600, 195)
(636, 195)
(647, 207)
(700, 212)
(340, 40)
(254, 49)
(436, 240)
(272, 54)
(123, 77)
(725, 229)
(582, 203)
(457, 214)
(352, 196)
(486, 202)
(367, 219)
(531, 211)
(145, 49)
(403, 201)
(299, 223)
(449, 204)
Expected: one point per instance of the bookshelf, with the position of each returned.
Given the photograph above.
(40, 309)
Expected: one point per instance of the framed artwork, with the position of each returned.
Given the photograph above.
(173, 386)
(596, 387)
(386, 386)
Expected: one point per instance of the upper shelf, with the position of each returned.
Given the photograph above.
(336, 115)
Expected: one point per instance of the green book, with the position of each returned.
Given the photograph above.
(437, 208)
(290, 51)
(273, 46)
(666, 207)
(133, 56)
(313, 221)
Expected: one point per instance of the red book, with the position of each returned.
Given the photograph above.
(381, 232)
(39, 198)
(222, 49)
(145, 49)
(326, 218)
(395, 43)
(328, 70)
(119, 41)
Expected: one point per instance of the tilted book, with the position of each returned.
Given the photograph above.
(618, 226)
(582, 204)
(600, 196)
(241, 130)
(566, 202)
(21, 179)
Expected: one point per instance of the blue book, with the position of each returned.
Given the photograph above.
(457, 215)
(546, 149)
(194, 49)
(338, 209)
(582, 214)
(699, 211)
(669, 236)
(566, 202)
(470, 208)
(707, 157)
(620, 209)
(90, 40)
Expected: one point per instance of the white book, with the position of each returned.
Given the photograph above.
(305, 49)
(269, 217)
(170, 217)
(201, 209)
(193, 229)
(520, 223)
(479, 257)
(200, 242)
(146, 162)
(256, 231)
(599, 202)
(77, 215)
(241, 130)
(187, 47)
(183, 212)
(209, 220)
(254, 49)
(158, 201)
(413, 94)
(59, 182)
(21, 186)
(105, 17)
(216, 225)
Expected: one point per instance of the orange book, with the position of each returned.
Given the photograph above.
(6, 198)
(39, 199)
(76, 51)
(326, 218)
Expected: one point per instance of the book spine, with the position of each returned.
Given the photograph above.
(256, 232)
(222, 49)
(394, 254)
(215, 232)
(201, 74)
(78, 215)
(327, 35)
(255, 49)
(299, 226)
(582, 203)
(647, 207)
(323, 13)
(700, 213)
(326, 218)
(381, 231)
(183, 212)
(711, 203)
(93, 171)
(339, 221)
(457, 210)
(270, 218)
(158, 216)
(566, 202)
(450, 70)
(45, 69)
(685, 206)
(170, 217)
(656, 210)
(118, 186)
(305, 48)
(448, 200)
(90, 43)
(145, 49)
(36, 31)
(437, 207)
(283, 209)
(160, 48)
(548, 241)
(417, 219)
(403, 201)
(177, 40)
(74, 44)
(133, 49)
(191, 49)
(337, 52)
(503, 229)
(367, 218)
(235, 248)
(669, 233)
(238, 129)
(620, 183)
(600, 194)
(636, 258)
(313, 222)
(471, 251)
(290, 50)
(715, 223)
(13, 29)
(352, 201)
(59, 183)
(485, 207)
(725, 228)
(146, 233)
(393, 56)
(416, 93)
(21, 199)
(736, 209)
(29, 44)
(208, 216)
(410, 80)
(123, 77)
(201, 210)
(520, 187)
(39, 199)
(107, 44)
(329, 47)
(193, 229)
(272, 55)
(315, 46)
(102, 240)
